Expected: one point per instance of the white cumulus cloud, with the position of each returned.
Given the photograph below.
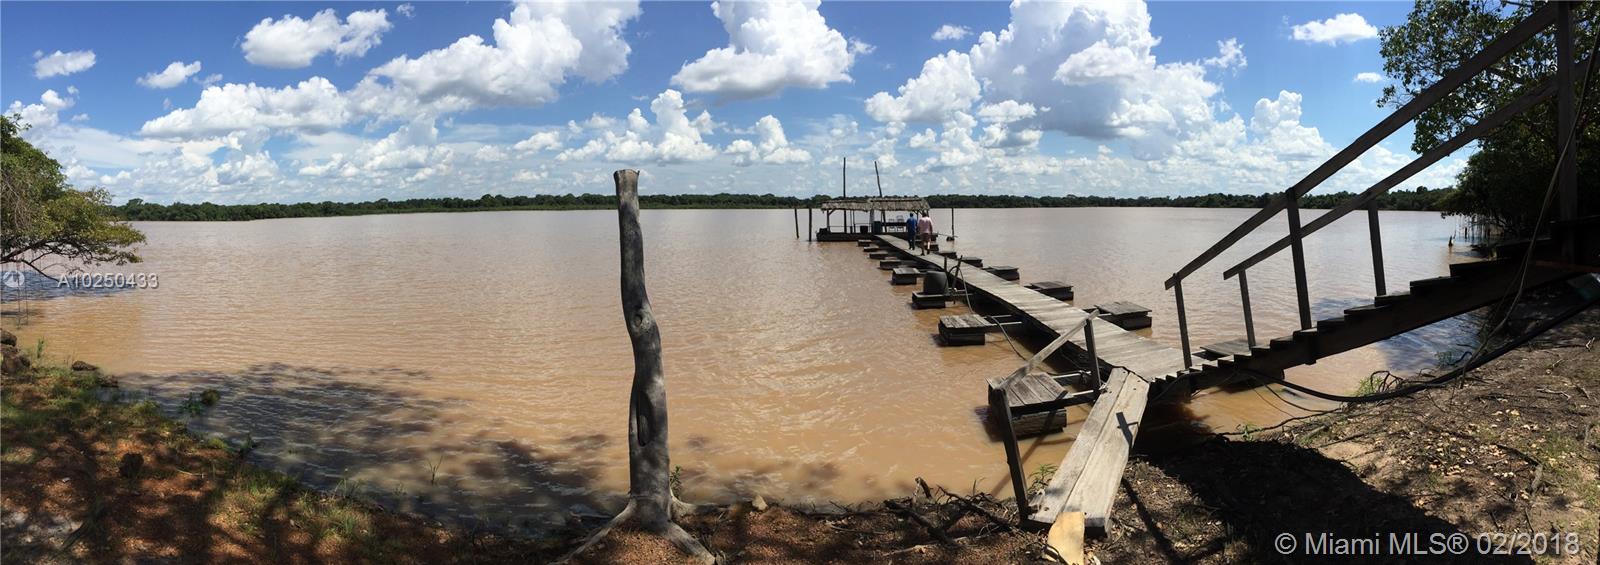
(533, 53)
(946, 85)
(314, 104)
(674, 138)
(1368, 77)
(948, 32)
(541, 141)
(44, 113)
(771, 46)
(61, 64)
(771, 146)
(292, 43)
(1230, 55)
(1343, 28)
(173, 75)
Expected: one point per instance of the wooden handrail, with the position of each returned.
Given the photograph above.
(1491, 53)
(1543, 92)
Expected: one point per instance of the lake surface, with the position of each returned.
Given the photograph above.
(474, 366)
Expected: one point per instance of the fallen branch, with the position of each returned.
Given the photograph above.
(979, 509)
(915, 517)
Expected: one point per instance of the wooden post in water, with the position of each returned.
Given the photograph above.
(1377, 247)
(1008, 435)
(1244, 299)
(1094, 360)
(809, 231)
(883, 215)
(1297, 250)
(796, 223)
(1183, 325)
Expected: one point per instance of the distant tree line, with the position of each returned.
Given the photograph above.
(136, 209)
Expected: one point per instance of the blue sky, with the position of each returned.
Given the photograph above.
(353, 101)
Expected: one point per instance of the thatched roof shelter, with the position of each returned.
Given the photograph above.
(877, 204)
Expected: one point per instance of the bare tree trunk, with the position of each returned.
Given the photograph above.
(648, 466)
(651, 504)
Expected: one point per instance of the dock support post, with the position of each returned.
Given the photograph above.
(1094, 360)
(1299, 252)
(1244, 299)
(809, 231)
(1008, 435)
(1183, 323)
(1377, 247)
(796, 223)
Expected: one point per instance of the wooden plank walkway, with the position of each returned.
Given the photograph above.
(1089, 475)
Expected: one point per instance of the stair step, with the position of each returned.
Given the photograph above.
(1260, 350)
(1393, 297)
(1425, 285)
(1365, 310)
(1331, 323)
(1282, 342)
(1306, 334)
(1471, 267)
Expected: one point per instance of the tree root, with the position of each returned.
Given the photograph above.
(669, 531)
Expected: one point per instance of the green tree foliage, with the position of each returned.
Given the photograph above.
(1419, 199)
(1505, 181)
(44, 218)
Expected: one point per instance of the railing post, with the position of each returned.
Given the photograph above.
(1244, 299)
(1094, 360)
(1566, 138)
(1301, 294)
(1377, 246)
(1019, 488)
(1183, 323)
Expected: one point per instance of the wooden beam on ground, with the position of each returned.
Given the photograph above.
(1089, 475)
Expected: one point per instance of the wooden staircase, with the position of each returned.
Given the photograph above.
(1468, 286)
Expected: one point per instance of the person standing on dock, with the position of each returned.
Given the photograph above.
(925, 232)
(912, 235)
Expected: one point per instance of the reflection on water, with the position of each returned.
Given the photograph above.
(475, 364)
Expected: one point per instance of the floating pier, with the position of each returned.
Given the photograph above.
(1087, 478)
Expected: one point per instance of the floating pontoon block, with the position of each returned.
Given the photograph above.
(923, 301)
(965, 329)
(879, 255)
(1125, 315)
(905, 275)
(1053, 289)
(1005, 272)
(974, 261)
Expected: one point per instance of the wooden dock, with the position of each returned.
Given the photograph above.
(1089, 475)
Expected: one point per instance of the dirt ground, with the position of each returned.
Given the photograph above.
(1514, 446)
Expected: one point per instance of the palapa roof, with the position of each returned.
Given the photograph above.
(878, 204)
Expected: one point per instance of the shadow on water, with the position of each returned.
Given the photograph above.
(1262, 490)
(357, 430)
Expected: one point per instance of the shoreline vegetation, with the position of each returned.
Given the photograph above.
(1512, 446)
(1419, 199)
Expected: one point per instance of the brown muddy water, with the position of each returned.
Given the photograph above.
(474, 366)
